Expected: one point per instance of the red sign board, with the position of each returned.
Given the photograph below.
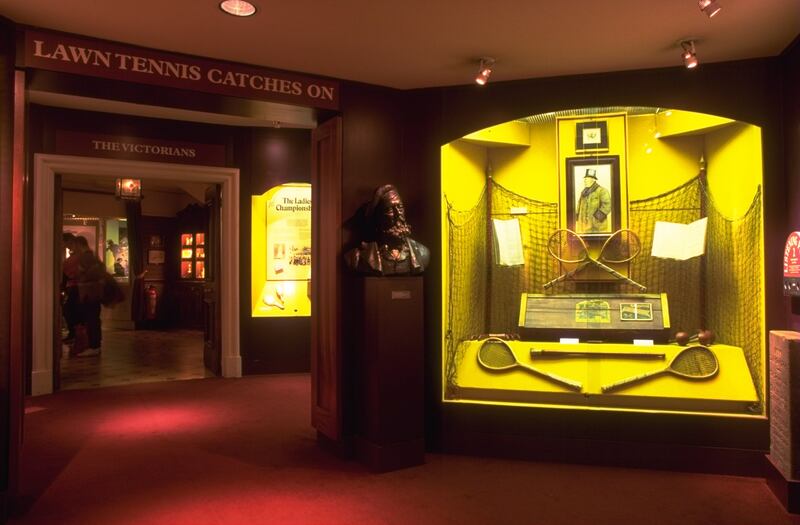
(135, 148)
(98, 58)
(791, 256)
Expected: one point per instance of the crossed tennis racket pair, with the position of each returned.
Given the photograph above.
(568, 247)
(693, 362)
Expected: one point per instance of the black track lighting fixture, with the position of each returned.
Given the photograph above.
(484, 71)
(689, 54)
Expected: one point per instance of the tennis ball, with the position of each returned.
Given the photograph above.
(682, 338)
(706, 337)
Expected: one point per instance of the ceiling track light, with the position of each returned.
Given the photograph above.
(709, 7)
(484, 71)
(689, 54)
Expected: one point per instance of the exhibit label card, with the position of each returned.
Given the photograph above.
(507, 243)
(673, 240)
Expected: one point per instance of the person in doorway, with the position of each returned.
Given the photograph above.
(70, 306)
(119, 269)
(594, 206)
(90, 289)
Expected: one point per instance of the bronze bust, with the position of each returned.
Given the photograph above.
(392, 251)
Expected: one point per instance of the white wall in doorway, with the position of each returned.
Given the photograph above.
(46, 167)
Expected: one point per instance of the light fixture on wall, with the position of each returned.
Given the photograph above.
(484, 71)
(130, 189)
(238, 7)
(689, 54)
(709, 7)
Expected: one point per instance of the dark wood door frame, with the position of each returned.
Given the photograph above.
(326, 315)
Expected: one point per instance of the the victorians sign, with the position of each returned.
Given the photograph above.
(97, 58)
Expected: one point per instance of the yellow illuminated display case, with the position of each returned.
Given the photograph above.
(562, 209)
(281, 252)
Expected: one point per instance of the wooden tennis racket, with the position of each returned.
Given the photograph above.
(568, 247)
(495, 355)
(693, 362)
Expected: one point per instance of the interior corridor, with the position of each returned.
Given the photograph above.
(137, 356)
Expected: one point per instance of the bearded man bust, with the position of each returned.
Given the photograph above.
(392, 251)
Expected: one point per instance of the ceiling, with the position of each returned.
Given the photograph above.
(425, 43)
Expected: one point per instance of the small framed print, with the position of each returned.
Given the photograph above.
(635, 312)
(156, 241)
(591, 136)
(155, 257)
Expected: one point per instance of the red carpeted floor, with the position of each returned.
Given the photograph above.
(217, 451)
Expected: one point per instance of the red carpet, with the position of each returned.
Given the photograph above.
(215, 451)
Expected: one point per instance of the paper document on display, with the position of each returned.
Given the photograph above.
(679, 241)
(507, 243)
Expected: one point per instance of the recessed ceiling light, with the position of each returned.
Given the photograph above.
(238, 7)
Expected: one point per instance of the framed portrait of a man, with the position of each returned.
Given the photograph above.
(593, 195)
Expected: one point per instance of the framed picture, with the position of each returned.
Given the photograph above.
(593, 195)
(591, 136)
(156, 241)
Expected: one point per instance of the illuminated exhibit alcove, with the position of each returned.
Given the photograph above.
(519, 197)
(281, 251)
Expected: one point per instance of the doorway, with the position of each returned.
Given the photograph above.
(48, 169)
(161, 250)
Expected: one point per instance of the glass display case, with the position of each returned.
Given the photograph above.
(605, 259)
(281, 251)
(193, 252)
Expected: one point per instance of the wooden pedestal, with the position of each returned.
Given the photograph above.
(784, 456)
(786, 490)
(389, 373)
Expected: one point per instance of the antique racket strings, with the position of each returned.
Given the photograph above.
(568, 247)
(496, 355)
(693, 362)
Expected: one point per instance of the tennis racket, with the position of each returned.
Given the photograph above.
(693, 362)
(558, 354)
(568, 247)
(495, 355)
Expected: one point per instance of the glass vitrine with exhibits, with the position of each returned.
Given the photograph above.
(605, 258)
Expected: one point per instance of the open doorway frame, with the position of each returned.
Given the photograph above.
(46, 168)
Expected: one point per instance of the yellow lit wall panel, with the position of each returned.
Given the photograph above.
(658, 165)
(514, 133)
(734, 167)
(281, 251)
(675, 122)
(529, 171)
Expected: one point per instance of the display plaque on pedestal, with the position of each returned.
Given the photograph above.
(390, 372)
(784, 423)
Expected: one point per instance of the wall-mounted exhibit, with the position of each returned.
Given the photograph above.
(281, 251)
(605, 258)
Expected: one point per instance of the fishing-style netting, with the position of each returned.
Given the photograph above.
(720, 291)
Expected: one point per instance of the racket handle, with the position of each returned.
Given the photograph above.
(569, 383)
(630, 380)
(556, 354)
(566, 275)
(618, 275)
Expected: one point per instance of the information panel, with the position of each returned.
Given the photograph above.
(281, 251)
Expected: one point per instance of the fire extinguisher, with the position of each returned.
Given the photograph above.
(152, 301)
